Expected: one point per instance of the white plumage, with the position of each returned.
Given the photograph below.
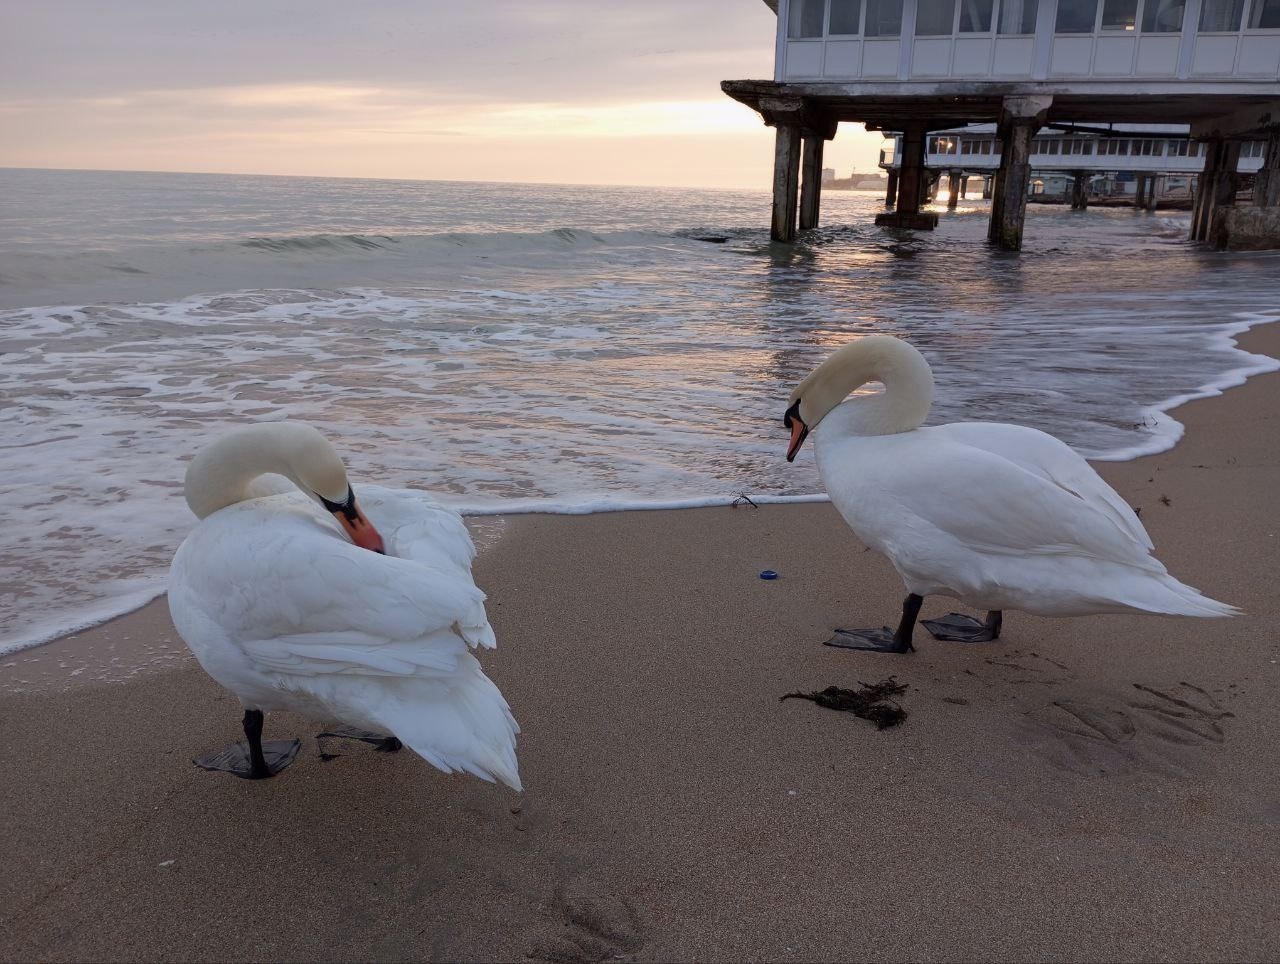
(999, 516)
(283, 610)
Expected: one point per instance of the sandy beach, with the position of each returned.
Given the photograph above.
(1098, 788)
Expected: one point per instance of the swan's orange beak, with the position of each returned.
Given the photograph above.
(361, 531)
(799, 431)
(355, 523)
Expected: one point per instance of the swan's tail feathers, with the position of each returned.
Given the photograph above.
(1170, 597)
(457, 724)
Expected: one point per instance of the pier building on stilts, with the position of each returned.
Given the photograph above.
(912, 67)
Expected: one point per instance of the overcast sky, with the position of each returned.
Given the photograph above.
(572, 91)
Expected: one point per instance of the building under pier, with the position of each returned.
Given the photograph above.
(915, 66)
(1138, 162)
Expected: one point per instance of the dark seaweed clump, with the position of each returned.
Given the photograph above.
(874, 701)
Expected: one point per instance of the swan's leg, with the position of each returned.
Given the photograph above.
(965, 629)
(259, 760)
(882, 640)
(381, 742)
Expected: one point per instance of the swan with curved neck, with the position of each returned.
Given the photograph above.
(224, 473)
(998, 516)
(289, 614)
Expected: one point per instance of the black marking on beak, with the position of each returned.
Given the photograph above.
(347, 507)
(799, 430)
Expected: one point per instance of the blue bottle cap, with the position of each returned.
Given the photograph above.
(768, 574)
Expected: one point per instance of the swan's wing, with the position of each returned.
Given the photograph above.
(416, 526)
(992, 504)
(276, 569)
(1052, 459)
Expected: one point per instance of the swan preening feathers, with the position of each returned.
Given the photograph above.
(294, 598)
(998, 516)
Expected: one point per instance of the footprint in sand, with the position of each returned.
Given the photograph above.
(1154, 727)
(596, 927)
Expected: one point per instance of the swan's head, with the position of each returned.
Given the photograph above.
(873, 358)
(220, 474)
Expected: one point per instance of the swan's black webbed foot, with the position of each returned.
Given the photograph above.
(258, 760)
(884, 640)
(965, 629)
(237, 759)
(875, 640)
(381, 742)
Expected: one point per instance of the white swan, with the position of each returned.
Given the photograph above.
(287, 599)
(998, 516)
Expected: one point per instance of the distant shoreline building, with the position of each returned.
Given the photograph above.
(916, 66)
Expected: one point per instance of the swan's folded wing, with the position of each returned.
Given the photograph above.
(992, 504)
(418, 527)
(1052, 459)
(298, 594)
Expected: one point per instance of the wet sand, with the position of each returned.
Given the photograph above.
(1100, 788)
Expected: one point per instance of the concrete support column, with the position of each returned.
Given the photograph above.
(912, 171)
(891, 191)
(1079, 190)
(911, 185)
(988, 182)
(786, 181)
(954, 181)
(1140, 192)
(1152, 184)
(811, 181)
(1020, 119)
(1202, 207)
(1223, 192)
(1266, 184)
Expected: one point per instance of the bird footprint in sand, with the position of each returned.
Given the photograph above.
(1155, 721)
(597, 927)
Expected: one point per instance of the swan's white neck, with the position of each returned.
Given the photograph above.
(901, 407)
(222, 473)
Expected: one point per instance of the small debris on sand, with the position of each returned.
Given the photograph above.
(873, 702)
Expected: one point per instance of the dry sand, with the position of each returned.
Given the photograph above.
(1098, 788)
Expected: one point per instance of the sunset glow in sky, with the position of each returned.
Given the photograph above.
(564, 91)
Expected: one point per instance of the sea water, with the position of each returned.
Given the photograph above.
(516, 347)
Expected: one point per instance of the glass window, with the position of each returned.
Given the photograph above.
(1178, 148)
(1018, 17)
(1076, 16)
(1220, 16)
(942, 145)
(845, 17)
(1163, 16)
(806, 18)
(935, 18)
(975, 16)
(1120, 14)
(1265, 15)
(884, 18)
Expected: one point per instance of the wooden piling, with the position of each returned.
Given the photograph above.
(891, 191)
(953, 185)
